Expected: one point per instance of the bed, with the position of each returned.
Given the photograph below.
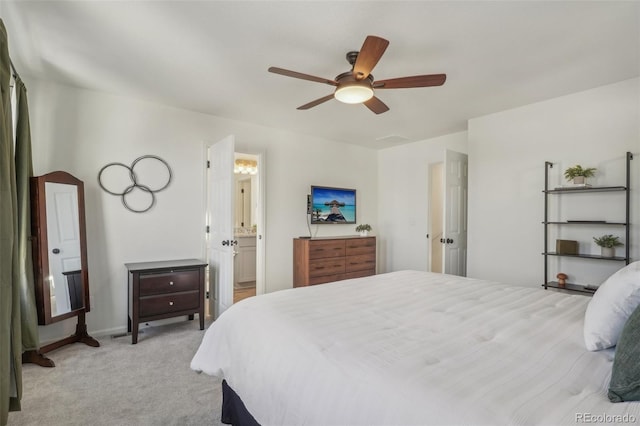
(412, 348)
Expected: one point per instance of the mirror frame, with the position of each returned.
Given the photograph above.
(40, 246)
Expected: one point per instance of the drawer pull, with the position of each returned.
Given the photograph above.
(170, 303)
(170, 282)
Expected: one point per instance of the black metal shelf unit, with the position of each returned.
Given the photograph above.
(572, 287)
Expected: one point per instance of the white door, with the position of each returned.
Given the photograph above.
(63, 237)
(221, 236)
(455, 213)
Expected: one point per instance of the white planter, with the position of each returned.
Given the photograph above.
(364, 233)
(579, 180)
(608, 251)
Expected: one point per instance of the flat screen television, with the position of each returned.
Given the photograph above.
(332, 205)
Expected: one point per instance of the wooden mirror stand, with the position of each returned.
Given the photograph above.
(59, 258)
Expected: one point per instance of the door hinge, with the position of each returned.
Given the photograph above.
(208, 164)
(208, 229)
(206, 296)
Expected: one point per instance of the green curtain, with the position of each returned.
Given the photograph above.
(18, 324)
(24, 271)
(10, 332)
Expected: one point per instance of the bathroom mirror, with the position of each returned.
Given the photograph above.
(59, 247)
(244, 202)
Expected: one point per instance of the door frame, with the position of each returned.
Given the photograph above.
(433, 236)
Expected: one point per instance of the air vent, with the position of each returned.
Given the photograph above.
(393, 139)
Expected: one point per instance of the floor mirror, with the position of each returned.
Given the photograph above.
(59, 242)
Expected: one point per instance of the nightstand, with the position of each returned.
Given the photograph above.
(165, 289)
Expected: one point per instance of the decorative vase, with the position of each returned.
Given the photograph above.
(608, 251)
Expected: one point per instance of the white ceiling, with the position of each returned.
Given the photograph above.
(212, 56)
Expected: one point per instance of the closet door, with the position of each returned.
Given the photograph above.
(455, 213)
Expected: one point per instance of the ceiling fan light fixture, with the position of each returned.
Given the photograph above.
(353, 93)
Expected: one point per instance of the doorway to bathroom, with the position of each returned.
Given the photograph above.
(246, 193)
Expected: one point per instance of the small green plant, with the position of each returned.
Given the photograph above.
(573, 172)
(363, 227)
(608, 241)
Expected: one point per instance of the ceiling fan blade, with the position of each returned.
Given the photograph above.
(376, 105)
(408, 82)
(302, 76)
(316, 102)
(369, 55)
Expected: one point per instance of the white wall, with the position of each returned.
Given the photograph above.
(80, 131)
(403, 200)
(507, 151)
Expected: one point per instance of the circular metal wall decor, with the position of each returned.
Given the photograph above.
(135, 182)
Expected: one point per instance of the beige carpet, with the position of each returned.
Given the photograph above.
(149, 383)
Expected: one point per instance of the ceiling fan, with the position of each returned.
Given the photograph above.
(358, 85)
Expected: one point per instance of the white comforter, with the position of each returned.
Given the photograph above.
(412, 348)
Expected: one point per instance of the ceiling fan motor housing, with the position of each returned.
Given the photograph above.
(351, 57)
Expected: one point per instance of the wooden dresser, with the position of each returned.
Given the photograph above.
(165, 289)
(321, 260)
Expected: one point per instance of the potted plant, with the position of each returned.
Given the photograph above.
(363, 229)
(577, 174)
(608, 244)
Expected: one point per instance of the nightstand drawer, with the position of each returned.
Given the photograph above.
(169, 282)
(323, 249)
(322, 267)
(163, 304)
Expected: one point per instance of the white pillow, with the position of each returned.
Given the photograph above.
(611, 306)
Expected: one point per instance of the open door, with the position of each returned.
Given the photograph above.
(221, 237)
(455, 213)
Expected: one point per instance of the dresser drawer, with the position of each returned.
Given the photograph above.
(322, 249)
(169, 282)
(325, 279)
(359, 274)
(360, 246)
(322, 267)
(360, 262)
(166, 303)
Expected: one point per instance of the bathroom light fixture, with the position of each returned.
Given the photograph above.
(245, 167)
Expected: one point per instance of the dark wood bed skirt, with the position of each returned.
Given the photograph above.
(233, 410)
